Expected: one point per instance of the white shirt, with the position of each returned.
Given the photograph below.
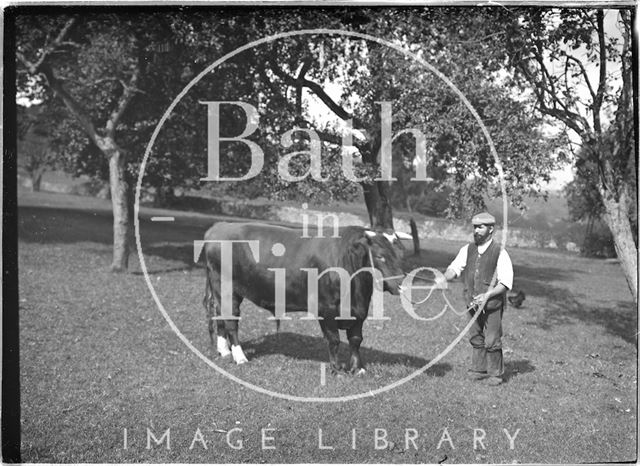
(504, 268)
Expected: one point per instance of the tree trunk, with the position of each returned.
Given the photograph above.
(164, 197)
(376, 198)
(617, 218)
(416, 238)
(376, 193)
(36, 179)
(121, 217)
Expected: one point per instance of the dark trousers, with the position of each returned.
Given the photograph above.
(485, 337)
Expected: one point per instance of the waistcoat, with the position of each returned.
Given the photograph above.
(479, 272)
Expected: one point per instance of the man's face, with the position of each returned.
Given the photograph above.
(482, 233)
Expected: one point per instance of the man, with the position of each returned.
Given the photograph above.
(480, 261)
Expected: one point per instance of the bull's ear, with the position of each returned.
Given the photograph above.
(403, 235)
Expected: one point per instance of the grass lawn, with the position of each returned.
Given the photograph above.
(97, 357)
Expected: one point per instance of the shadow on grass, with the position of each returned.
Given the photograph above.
(296, 346)
(517, 367)
(427, 258)
(48, 225)
(174, 252)
(58, 225)
(163, 271)
(620, 319)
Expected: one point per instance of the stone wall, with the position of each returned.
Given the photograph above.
(429, 228)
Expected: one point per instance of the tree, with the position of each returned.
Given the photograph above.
(37, 146)
(591, 93)
(370, 73)
(47, 48)
(98, 65)
(117, 74)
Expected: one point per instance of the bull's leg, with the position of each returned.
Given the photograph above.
(354, 334)
(331, 334)
(216, 327)
(222, 343)
(232, 331)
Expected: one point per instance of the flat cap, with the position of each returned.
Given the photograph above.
(483, 218)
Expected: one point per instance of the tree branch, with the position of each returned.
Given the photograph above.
(34, 68)
(306, 64)
(573, 120)
(551, 90)
(41, 66)
(76, 109)
(127, 95)
(316, 89)
(584, 74)
(597, 102)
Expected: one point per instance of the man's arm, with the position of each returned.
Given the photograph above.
(449, 274)
(504, 270)
(455, 268)
(491, 293)
(459, 263)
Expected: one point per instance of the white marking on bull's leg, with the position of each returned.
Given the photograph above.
(223, 346)
(238, 354)
(323, 374)
(361, 371)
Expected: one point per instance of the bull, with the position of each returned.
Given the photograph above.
(285, 253)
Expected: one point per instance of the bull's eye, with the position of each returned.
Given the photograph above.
(382, 259)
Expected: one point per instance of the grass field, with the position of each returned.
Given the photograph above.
(97, 357)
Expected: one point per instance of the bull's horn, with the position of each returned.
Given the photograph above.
(370, 233)
(389, 236)
(403, 235)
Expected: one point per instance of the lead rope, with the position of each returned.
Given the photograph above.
(392, 277)
(402, 276)
(479, 307)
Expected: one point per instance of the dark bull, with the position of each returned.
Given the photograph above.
(332, 279)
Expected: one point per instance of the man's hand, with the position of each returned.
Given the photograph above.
(479, 299)
(449, 274)
(440, 281)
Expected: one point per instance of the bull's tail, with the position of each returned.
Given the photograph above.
(209, 305)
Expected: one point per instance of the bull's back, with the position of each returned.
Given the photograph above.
(253, 279)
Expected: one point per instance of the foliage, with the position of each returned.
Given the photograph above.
(552, 52)
(462, 43)
(459, 160)
(36, 144)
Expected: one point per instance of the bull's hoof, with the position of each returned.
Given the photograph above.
(238, 354)
(222, 345)
(339, 370)
(360, 372)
